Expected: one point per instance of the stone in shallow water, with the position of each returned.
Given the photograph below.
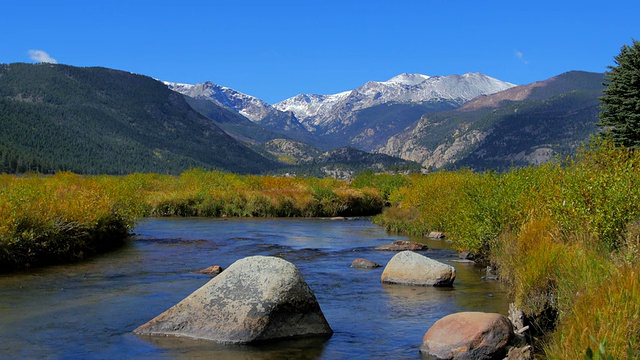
(361, 263)
(409, 268)
(256, 298)
(211, 270)
(468, 335)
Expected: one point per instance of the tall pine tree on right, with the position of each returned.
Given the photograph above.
(620, 115)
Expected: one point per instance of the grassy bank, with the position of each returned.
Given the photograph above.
(66, 217)
(62, 218)
(565, 237)
(201, 193)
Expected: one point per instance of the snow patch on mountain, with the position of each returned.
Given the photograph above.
(250, 107)
(316, 111)
(331, 112)
(408, 79)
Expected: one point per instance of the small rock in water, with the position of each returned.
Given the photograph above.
(490, 275)
(402, 246)
(435, 235)
(211, 270)
(361, 263)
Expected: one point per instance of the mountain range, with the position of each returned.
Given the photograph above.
(524, 125)
(364, 117)
(57, 117)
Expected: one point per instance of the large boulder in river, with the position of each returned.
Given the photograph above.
(256, 298)
(409, 268)
(468, 336)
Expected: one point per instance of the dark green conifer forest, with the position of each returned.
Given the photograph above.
(103, 121)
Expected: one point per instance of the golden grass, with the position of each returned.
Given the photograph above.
(50, 219)
(565, 238)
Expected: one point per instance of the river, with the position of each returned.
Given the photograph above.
(89, 309)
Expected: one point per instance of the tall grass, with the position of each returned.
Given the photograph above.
(200, 193)
(65, 217)
(565, 238)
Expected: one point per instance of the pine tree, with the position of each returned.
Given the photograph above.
(621, 101)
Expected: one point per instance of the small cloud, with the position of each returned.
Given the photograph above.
(41, 56)
(520, 56)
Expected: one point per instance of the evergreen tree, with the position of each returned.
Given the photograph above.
(621, 101)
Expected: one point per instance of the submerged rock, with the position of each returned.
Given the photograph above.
(361, 263)
(468, 335)
(403, 246)
(211, 270)
(409, 268)
(256, 298)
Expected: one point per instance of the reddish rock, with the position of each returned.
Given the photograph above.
(364, 264)
(468, 335)
(402, 246)
(211, 270)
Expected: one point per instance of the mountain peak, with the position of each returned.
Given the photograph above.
(408, 79)
(325, 111)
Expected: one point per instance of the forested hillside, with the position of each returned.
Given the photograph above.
(98, 120)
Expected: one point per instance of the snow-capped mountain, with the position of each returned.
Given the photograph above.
(365, 117)
(318, 112)
(250, 107)
(525, 125)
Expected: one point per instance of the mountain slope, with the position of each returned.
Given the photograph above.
(291, 151)
(343, 163)
(259, 112)
(97, 120)
(367, 116)
(232, 122)
(523, 125)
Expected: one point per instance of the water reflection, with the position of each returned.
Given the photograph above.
(183, 348)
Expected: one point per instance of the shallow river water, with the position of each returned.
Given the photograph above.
(88, 310)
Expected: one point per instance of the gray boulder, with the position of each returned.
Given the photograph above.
(256, 298)
(468, 336)
(409, 268)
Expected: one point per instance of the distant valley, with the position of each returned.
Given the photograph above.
(98, 120)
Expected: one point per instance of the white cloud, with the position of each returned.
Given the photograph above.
(41, 56)
(520, 56)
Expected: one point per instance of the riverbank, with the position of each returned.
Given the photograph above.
(63, 218)
(68, 217)
(564, 237)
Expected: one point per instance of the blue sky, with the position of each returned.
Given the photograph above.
(277, 49)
